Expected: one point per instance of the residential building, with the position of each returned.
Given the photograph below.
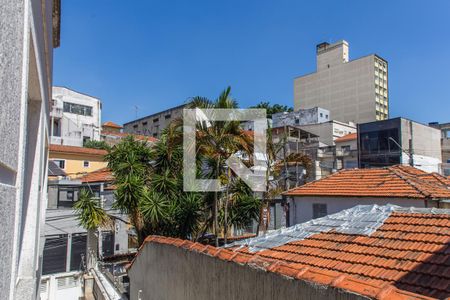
(112, 138)
(77, 161)
(445, 146)
(352, 90)
(111, 127)
(29, 32)
(347, 151)
(395, 255)
(400, 185)
(75, 117)
(154, 124)
(307, 116)
(70, 251)
(399, 141)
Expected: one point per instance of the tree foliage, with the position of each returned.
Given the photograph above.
(96, 144)
(90, 213)
(272, 109)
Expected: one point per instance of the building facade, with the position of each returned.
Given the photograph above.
(399, 141)
(29, 31)
(445, 144)
(313, 115)
(154, 124)
(352, 90)
(75, 117)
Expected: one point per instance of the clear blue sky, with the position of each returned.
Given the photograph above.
(157, 54)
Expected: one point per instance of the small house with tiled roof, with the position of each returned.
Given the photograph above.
(366, 252)
(111, 127)
(401, 185)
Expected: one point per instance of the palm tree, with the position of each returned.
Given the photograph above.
(217, 141)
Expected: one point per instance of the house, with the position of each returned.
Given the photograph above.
(111, 127)
(366, 252)
(75, 117)
(112, 138)
(347, 151)
(77, 161)
(400, 185)
(399, 141)
(29, 32)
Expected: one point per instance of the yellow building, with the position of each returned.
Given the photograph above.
(77, 161)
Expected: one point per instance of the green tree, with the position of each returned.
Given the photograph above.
(272, 109)
(90, 213)
(96, 144)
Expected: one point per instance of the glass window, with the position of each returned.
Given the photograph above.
(167, 116)
(86, 164)
(155, 120)
(60, 163)
(144, 123)
(78, 109)
(319, 210)
(447, 134)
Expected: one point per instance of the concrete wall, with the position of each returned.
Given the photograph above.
(426, 144)
(301, 208)
(153, 125)
(346, 88)
(25, 88)
(329, 131)
(167, 272)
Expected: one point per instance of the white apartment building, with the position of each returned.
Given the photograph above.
(352, 90)
(75, 117)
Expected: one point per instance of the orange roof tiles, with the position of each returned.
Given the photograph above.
(397, 181)
(346, 138)
(76, 150)
(101, 175)
(408, 257)
(136, 136)
(112, 124)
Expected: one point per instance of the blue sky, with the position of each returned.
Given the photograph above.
(157, 54)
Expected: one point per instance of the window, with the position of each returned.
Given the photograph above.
(135, 126)
(167, 116)
(60, 163)
(319, 210)
(321, 115)
(78, 109)
(326, 116)
(155, 120)
(117, 247)
(144, 123)
(86, 164)
(447, 134)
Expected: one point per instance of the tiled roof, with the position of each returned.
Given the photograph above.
(407, 257)
(136, 136)
(346, 138)
(76, 150)
(397, 181)
(112, 124)
(101, 175)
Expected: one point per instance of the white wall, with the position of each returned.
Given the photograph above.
(73, 126)
(300, 209)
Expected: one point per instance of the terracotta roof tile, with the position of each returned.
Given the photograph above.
(346, 138)
(111, 124)
(101, 175)
(76, 150)
(397, 181)
(407, 257)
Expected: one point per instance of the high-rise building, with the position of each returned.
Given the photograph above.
(352, 90)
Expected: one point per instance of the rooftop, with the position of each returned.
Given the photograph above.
(112, 124)
(346, 138)
(76, 150)
(402, 253)
(393, 182)
(101, 175)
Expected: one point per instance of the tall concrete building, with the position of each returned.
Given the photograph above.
(29, 30)
(352, 90)
(75, 117)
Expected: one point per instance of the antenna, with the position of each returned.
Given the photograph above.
(136, 110)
